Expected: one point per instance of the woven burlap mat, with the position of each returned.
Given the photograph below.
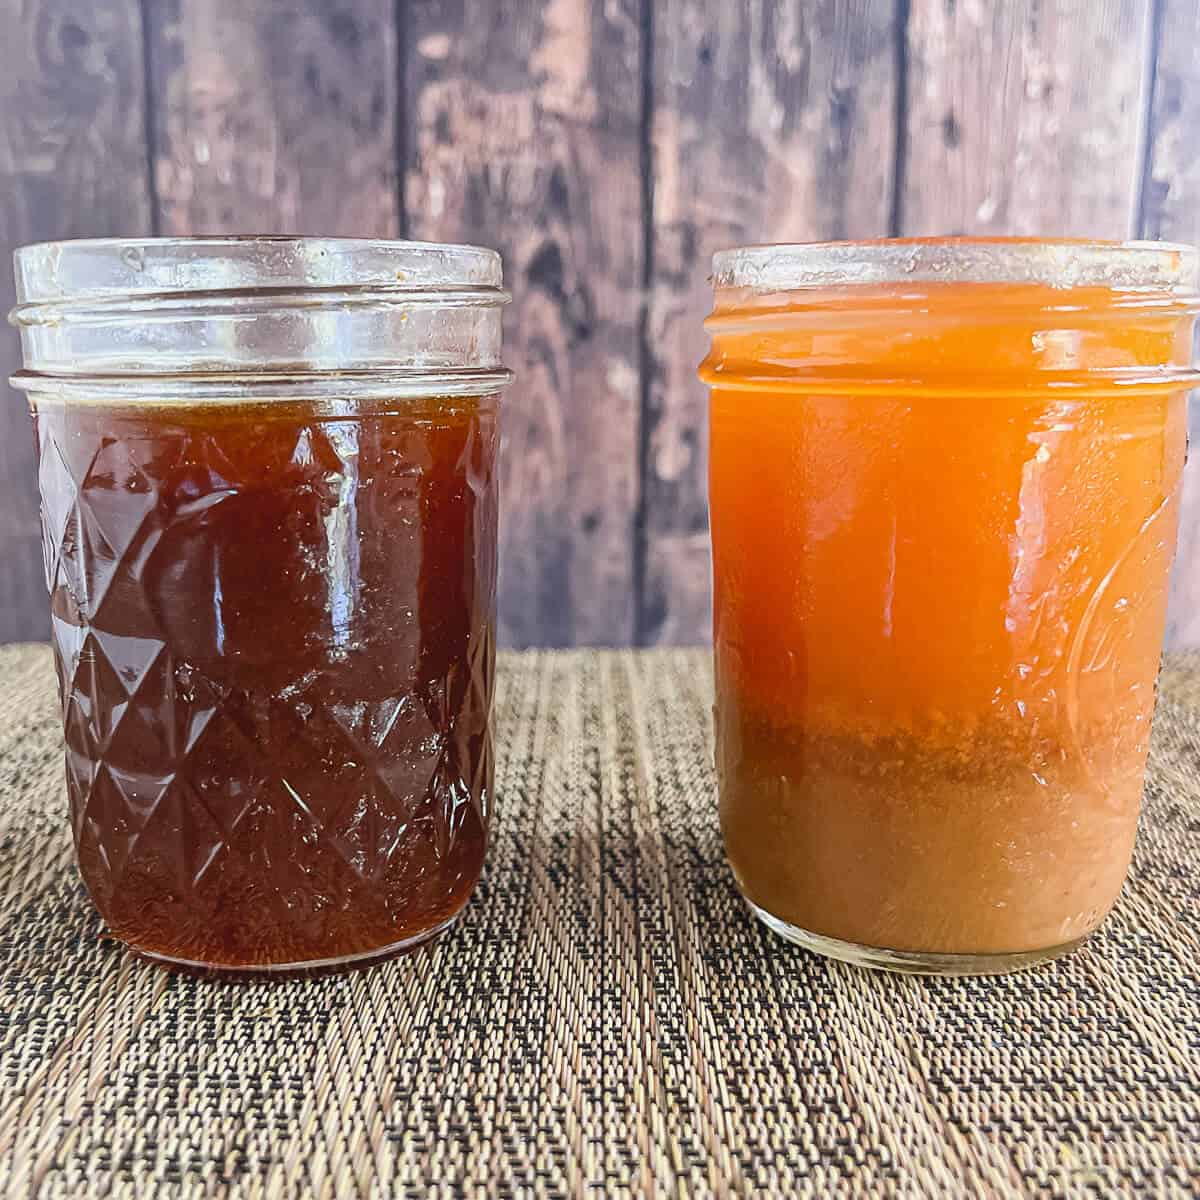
(606, 1019)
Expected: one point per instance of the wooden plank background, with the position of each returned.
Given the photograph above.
(606, 147)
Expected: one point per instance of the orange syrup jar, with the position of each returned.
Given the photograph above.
(944, 490)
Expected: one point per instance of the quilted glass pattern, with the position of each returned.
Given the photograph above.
(274, 633)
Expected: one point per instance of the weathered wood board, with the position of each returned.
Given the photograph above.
(274, 118)
(524, 135)
(72, 164)
(607, 148)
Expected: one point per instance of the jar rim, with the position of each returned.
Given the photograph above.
(1051, 262)
(164, 307)
(103, 269)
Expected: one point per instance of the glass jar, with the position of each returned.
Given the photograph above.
(267, 474)
(944, 494)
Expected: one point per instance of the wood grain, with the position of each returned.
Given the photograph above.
(275, 117)
(1171, 210)
(1024, 117)
(528, 124)
(771, 122)
(72, 163)
(1171, 203)
(524, 136)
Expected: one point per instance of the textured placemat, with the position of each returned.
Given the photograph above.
(606, 1019)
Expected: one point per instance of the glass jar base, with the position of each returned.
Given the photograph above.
(291, 970)
(911, 962)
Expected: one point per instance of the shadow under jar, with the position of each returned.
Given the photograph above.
(267, 474)
(944, 493)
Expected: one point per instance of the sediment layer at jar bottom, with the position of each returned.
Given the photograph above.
(940, 841)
